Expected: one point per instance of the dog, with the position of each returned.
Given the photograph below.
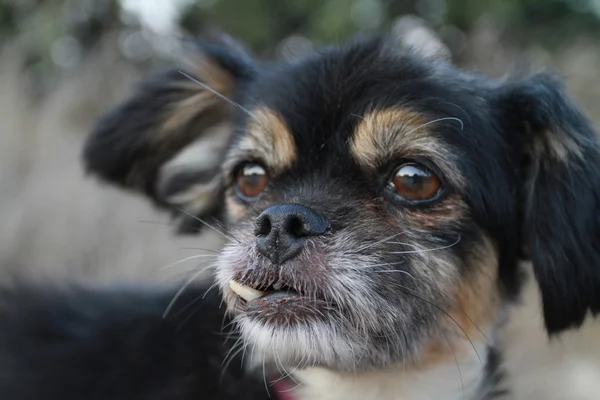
(377, 205)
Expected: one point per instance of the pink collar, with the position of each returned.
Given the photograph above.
(283, 389)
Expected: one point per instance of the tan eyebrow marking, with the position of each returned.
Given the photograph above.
(268, 137)
(400, 132)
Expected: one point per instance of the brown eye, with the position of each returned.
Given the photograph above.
(415, 182)
(251, 180)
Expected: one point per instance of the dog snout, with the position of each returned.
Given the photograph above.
(281, 230)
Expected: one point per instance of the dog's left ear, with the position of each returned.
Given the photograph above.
(560, 196)
(168, 139)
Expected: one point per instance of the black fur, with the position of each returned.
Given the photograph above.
(494, 385)
(113, 343)
(561, 198)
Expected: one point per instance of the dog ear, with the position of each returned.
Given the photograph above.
(168, 140)
(560, 196)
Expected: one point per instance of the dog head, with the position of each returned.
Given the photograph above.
(376, 202)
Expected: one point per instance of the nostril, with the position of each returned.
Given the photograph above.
(263, 226)
(295, 226)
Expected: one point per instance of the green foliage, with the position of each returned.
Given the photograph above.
(263, 23)
(41, 27)
(549, 22)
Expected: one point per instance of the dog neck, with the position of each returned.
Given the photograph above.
(472, 372)
(460, 379)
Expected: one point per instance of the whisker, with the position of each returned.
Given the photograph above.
(400, 252)
(227, 360)
(211, 287)
(427, 250)
(406, 348)
(462, 126)
(230, 356)
(231, 323)
(462, 383)
(199, 248)
(361, 268)
(219, 95)
(179, 293)
(242, 347)
(409, 291)
(298, 384)
(463, 110)
(197, 256)
(284, 374)
(378, 242)
(222, 226)
(191, 303)
(232, 334)
(244, 355)
(208, 225)
(265, 378)
(440, 292)
(195, 310)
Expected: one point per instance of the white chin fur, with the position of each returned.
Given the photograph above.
(296, 347)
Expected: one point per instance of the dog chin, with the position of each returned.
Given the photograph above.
(299, 346)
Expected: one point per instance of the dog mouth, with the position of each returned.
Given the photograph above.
(271, 293)
(279, 304)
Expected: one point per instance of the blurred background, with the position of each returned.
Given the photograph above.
(62, 63)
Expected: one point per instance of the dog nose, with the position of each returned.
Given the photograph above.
(281, 230)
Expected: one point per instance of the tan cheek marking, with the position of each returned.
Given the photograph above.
(386, 134)
(475, 306)
(476, 296)
(268, 135)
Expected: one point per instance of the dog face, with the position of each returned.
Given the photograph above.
(376, 202)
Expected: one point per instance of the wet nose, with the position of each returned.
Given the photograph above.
(281, 230)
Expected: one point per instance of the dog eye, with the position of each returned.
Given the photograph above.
(415, 182)
(251, 180)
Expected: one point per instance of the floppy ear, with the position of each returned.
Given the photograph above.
(560, 196)
(167, 141)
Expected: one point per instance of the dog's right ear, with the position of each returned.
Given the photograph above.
(168, 140)
(559, 153)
